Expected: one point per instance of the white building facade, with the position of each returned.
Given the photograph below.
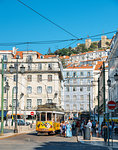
(39, 84)
(77, 87)
(113, 70)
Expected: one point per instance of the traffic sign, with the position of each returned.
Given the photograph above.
(111, 105)
(32, 113)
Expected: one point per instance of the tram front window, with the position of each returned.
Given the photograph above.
(38, 117)
(43, 117)
(48, 116)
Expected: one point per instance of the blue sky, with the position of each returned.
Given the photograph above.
(80, 17)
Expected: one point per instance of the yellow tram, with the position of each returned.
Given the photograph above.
(48, 118)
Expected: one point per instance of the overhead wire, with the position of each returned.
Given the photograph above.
(47, 19)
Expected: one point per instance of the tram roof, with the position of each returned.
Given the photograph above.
(49, 107)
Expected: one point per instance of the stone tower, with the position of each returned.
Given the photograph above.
(87, 43)
(103, 41)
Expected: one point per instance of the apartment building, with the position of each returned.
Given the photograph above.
(113, 72)
(77, 87)
(39, 84)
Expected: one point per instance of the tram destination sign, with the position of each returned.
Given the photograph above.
(111, 105)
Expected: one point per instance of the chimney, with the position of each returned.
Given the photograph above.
(14, 51)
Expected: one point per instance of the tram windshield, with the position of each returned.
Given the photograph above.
(48, 116)
(43, 117)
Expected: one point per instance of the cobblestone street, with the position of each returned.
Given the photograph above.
(44, 142)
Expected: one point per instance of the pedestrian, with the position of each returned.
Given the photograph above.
(94, 126)
(105, 132)
(89, 124)
(82, 128)
(64, 129)
(74, 128)
(102, 129)
(110, 129)
(68, 130)
(61, 126)
(97, 129)
(77, 127)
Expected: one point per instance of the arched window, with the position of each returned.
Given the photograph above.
(39, 89)
(29, 90)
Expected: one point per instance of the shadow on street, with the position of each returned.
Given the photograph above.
(67, 146)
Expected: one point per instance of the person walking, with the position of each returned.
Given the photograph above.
(89, 124)
(94, 126)
(105, 132)
(97, 129)
(78, 127)
(64, 129)
(74, 128)
(68, 130)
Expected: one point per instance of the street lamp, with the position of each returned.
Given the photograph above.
(12, 70)
(7, 89)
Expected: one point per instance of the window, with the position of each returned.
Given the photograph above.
(29, 78)
(29, 90)
(49, 100)
(81, 73)
(81, 89)
(74, 106)
(67, 74)
(49, 89)
(87, 97)
(39, 89)
(5, 66)
(29, 103)
(39, 78)
(88, 81)
(39, 66)
(5, 104)
(81, 81)
(41, 56)
(74, 89)
(49, 66)
(67, 107)
(81, 107)
(88, 88)
(49, 78)
(74, 74)
(14, 77)
(14, 90)
(67, 97)
(74, 81)
(48, 116)
(74, 97)
(4, 57)
(88, 73)
(39, 102)
(67, 88)
(43, 117)
(29, 67)
(29, 57)
(81, 97)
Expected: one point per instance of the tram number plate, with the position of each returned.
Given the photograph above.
(42, 129)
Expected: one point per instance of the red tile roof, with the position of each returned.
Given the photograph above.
(99, 64)
(49, 56)
(20, 53)
(64, 57)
